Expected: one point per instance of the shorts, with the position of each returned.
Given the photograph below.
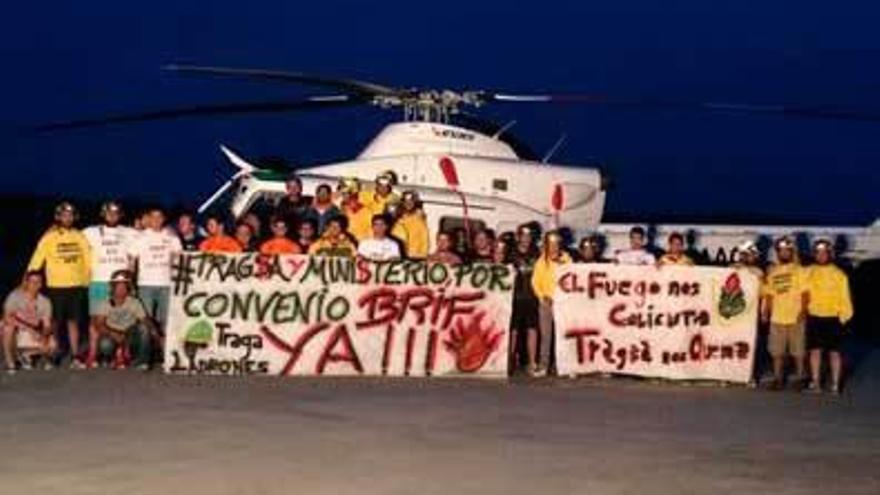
(98, 293)
(786, 340)
(68, 303)
(524, 315)
(26, 338)
(824, 333)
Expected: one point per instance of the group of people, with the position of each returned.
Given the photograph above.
(122, 274)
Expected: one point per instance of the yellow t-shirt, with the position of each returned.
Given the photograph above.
(375, 203)
(66, 255)
(360, 221)
(829, 293)
(784, 286)
(544, 276)
(670, 259)
(325, 246)
(412, 230)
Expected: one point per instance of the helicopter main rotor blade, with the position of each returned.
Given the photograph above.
(795, 111)
(349, 85)
(313, 103)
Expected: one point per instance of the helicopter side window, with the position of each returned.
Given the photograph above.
(499, 184)
(451, 224)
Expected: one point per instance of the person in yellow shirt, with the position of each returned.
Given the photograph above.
(544, 285)
(335, 241)
(747, 259)
(675, 254)
(358, 215)
(829, 310)
(784, 304)
(382, 198)
(411, 227)
(65, 254)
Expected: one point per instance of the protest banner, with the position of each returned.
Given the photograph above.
(301, 315)
(670, 322)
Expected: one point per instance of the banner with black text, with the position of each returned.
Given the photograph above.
(301, 315)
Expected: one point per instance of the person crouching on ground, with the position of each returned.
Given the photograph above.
(785, 298)
(544, 284)
(122, 319)
(27, 325)
(675, 254)
(828, 311)
(379, 247)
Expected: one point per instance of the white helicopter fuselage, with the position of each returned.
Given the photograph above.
(494, 187)
(502, 191)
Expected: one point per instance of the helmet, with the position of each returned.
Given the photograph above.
(823, 245)
(121, 276)
(554, 236)
(350, 185)
(590, 241)
(64, 207)
(387, 178)
(748, 247)
(109, 206)
(784, 242)
(410, 195)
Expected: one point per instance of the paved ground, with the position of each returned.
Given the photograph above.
(128, 433)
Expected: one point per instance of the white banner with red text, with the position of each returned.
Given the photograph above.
(675, 322)
(300, 315)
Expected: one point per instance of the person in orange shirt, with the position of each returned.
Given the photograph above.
(279, 243)
(217, 240)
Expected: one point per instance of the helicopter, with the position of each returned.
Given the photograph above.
(468, 172)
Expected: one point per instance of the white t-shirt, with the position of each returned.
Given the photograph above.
(110, 248)
(634, 257)
(154, 252)
(379, 249)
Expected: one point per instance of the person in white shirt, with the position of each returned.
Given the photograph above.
(110, 247)
(636, 254)
(152, 251)
(379, 247)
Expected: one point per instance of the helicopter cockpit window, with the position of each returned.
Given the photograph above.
(499, 184)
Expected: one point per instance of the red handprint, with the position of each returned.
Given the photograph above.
(471, 343)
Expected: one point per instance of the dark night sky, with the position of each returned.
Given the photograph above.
(65, 59)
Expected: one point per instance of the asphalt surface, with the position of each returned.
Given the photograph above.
(132, 433)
